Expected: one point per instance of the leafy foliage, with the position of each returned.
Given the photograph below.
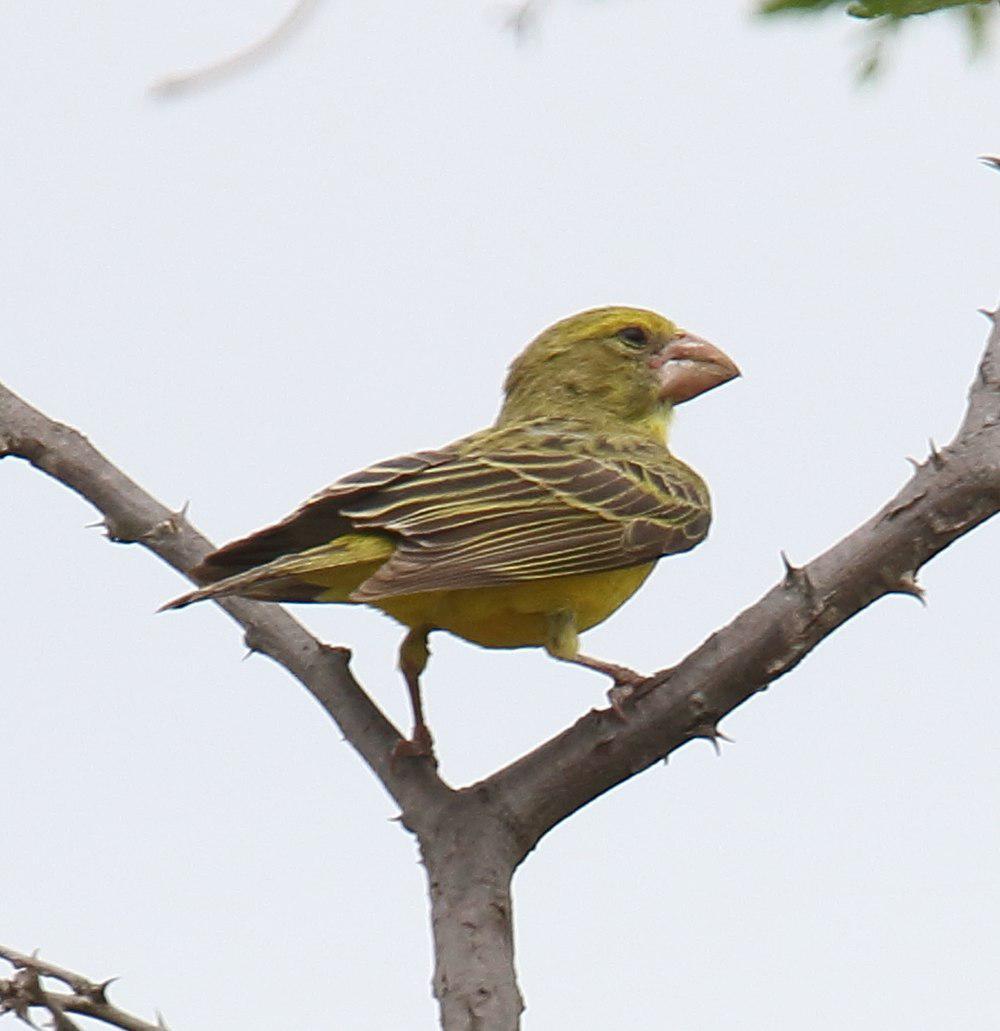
(872, 8)
(886, 15)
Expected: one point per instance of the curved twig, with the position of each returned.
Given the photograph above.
(175, 82)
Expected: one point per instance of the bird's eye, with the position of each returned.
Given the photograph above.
(634, 336)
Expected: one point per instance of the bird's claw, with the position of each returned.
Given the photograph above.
(419, 746)
(630, 686)
(625, 689)
(618, 696)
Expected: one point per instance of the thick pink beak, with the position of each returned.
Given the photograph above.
(688, 366)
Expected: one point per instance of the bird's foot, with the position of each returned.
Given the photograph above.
(420, 745)
(624, 690)
(628, 684)
(630, 687)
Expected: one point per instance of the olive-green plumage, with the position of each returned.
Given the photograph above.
(520, 534)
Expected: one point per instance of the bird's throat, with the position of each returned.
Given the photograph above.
(657, 425)
(653, 425)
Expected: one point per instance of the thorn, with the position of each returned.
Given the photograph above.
(790, 570)
(711, 733)
(21, 1012)
(175, 521)
(797, 576)
(991, 315)
(248, 653)
(917, 466)
(99, 992)
(907, 584)
(172, 524)
(111, 531)
(60, 1022)
(337, 649)
(936, 457)
(990, 161)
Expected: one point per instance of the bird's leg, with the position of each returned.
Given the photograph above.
(563, 644)
(626, 682)
(621, 675)
(413, 655)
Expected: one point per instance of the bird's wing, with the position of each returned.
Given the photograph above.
(495, 518)
(317, 521)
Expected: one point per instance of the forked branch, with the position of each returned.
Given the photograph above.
(474, 838)
(26, 992)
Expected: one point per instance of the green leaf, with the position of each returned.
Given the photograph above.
(778, 6)
(874, 8)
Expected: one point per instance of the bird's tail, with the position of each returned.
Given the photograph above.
(261, 583)
(327, 573)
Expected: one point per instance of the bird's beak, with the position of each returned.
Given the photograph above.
(688, 366)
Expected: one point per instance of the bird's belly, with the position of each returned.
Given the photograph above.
(517, 615)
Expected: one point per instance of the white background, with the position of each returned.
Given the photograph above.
(244, 292)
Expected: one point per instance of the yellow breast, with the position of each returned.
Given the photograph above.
(516, 615)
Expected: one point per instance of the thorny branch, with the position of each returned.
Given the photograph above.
(24, 992)
(131, 516)
(473, 839)
(949, 494)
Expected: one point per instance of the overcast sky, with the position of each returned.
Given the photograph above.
(242, 293)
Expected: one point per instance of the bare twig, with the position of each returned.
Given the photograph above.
(24, 992)
(176, 82)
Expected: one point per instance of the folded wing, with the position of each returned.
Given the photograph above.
(317, 521)
(492, 517)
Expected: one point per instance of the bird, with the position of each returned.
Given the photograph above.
(523, 534)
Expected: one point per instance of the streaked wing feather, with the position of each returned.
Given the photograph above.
(491, 517)
(316, 521)
(496, 518)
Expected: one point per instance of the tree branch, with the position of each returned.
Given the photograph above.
(25, 991)
(473, 839)
(953, 491)
(131, 516)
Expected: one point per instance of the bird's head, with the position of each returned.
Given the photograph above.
(612, 366)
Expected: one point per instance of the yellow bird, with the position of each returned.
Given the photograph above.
(526, 533)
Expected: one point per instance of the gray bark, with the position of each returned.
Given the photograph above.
(470, 852)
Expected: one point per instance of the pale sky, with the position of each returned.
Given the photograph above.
(242, 293)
